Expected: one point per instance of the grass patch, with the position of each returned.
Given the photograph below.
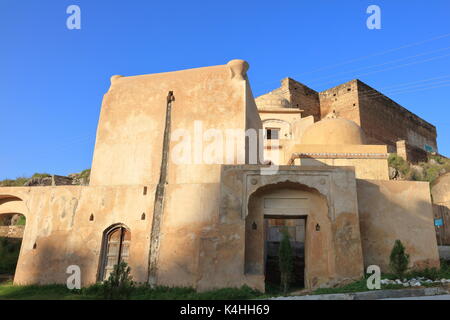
(143, 292)
(361, 285)
(19, 182)
(428, 273)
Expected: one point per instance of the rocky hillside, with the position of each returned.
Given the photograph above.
(399, 169)
(45, 179)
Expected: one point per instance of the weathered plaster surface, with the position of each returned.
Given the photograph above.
(391, 210)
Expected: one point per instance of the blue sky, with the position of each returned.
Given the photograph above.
(53, 79)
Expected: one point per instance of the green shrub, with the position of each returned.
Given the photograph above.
(9, 254)
(397, 162)
(286, 261)
(120, 283)
(21, 221)
(414, 175)
(40, 175)
(431, 173)
(86, 175)
(399, 259)
(19, 182)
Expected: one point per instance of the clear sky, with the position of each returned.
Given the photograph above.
(53, 79)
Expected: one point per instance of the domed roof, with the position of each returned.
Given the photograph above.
(272, 101)
(441, 189)
(333, 131)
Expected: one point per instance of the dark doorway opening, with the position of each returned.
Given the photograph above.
(296, 228)
(12, 226)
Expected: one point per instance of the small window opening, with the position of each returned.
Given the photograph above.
(272, 133)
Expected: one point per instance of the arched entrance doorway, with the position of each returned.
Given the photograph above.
(116, 247)
(303, 213)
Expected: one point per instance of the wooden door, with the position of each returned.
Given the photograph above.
(117, 249)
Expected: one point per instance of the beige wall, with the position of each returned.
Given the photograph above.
(58, 223)
(130, 133)
(391, 210)
(365, 168)
(370, 161)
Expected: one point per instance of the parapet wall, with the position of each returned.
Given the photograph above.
(385, 122)
(343, 100)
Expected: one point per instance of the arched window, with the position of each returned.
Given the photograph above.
(116, 247)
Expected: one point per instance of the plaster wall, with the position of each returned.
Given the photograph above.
(391, 210)
(59, 231)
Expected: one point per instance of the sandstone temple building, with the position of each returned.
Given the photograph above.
(193, 179)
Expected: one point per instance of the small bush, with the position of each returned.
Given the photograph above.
(286, 261)
(431, 173)
(40, 175)
(399, 259)
(397, 162)
(19, 182)
(120, 283)
(21, 221)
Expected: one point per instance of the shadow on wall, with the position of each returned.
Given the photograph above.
(47, 259)
(46, 262)
(391, 210)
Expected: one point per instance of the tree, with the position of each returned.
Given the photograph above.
(399, 259)
(120, 283)
(286, 261)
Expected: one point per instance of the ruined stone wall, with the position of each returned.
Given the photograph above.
(11, 231)
(411, 153)
(343, 100)
(299, 96)
(385, 122)
(303, 97)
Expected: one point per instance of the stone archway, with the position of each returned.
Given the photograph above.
(289, 201)
(333, 244)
